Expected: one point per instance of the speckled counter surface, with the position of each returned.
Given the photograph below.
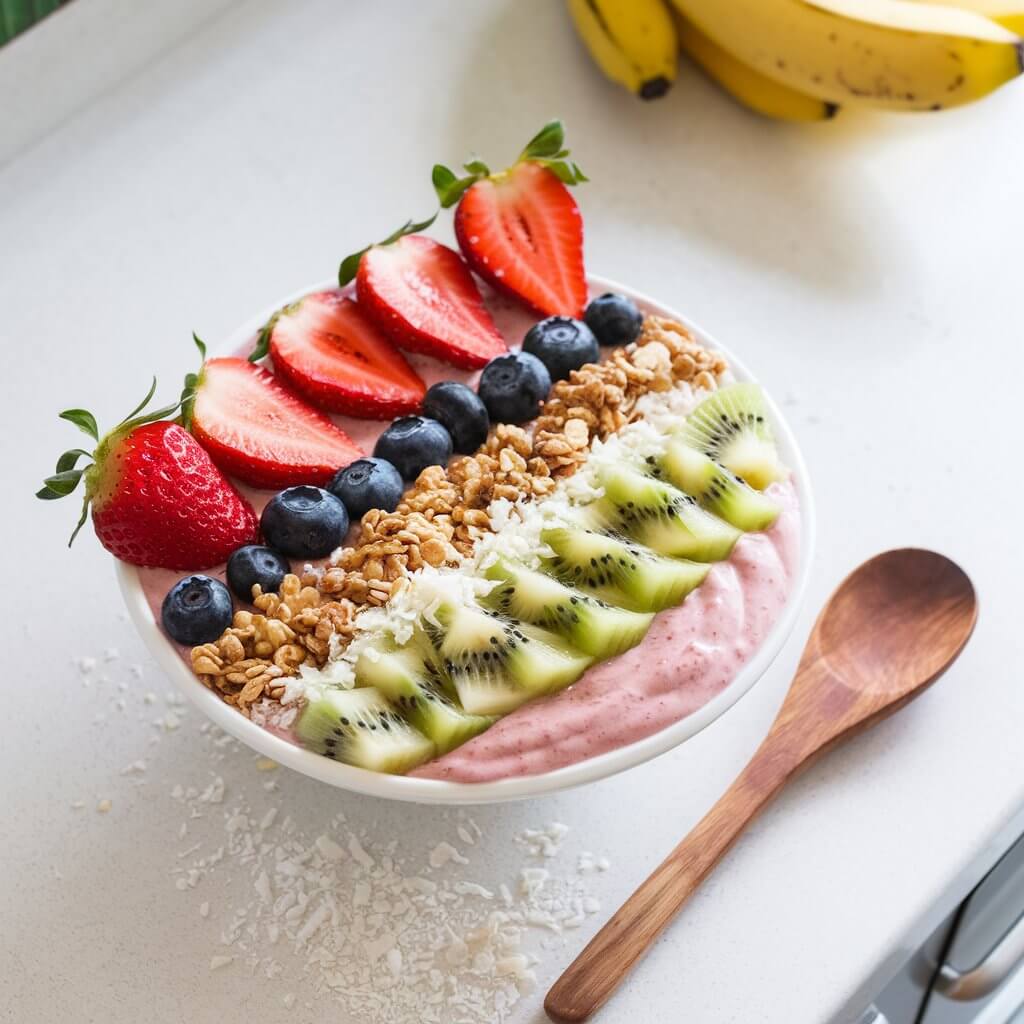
(867, 271)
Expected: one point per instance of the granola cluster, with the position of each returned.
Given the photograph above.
(260, 649)
(444, 514)
(688, 359)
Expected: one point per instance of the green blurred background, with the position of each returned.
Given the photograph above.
(18, 15)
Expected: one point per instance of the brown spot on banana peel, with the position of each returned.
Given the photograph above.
(882, 89)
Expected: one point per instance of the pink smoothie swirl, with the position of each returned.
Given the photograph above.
(690, 654)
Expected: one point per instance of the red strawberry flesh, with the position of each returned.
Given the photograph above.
(422, 295)
(257, 430)
(329, 351)
(158, 500)
(522, 232)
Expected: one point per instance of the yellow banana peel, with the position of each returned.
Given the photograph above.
(882, 53)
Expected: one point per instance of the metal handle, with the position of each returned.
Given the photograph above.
(987, 976)
(873, 1015)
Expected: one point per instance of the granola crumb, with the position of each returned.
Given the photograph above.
(104, 806)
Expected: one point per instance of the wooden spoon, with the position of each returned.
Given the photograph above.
(893, 626)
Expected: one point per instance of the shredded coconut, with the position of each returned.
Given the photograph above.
(394, 935)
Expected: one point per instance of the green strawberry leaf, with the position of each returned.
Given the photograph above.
(70, 459)
(142, 405)
(350, 264)
(477, 167)
(84, 420)
(151, 417)
(548, 143)
(450, 189)
(567, 172)
(187, 399)
(263, 340)
(350, 267)
(547, 148)
(442, 177)
(63, 483)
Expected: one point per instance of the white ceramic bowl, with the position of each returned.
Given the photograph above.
(397, 787)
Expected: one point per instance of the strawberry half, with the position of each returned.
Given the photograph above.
(522, 232)
(156, 497)
(521, 229)
(422, 295)
(256, 429)
(328, 350)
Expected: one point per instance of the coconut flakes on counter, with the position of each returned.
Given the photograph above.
(423, 933)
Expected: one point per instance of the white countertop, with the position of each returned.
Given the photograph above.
(868, 270)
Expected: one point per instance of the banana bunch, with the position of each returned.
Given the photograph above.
(801, 60)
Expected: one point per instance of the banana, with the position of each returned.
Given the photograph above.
(1008, 13)
(759, 93)
(632, 41)
(884, 53)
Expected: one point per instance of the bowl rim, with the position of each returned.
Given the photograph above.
(435, 791)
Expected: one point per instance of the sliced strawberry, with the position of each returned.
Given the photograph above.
(522, 232)
(328, 350)
(256, 429)
(424, 298)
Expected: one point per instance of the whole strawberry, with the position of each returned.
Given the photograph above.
(156, 497)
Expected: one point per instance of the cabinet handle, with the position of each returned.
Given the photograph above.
(873, 1015)
(985, 977)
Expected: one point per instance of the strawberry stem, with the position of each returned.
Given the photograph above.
(192, 381)
(547, 148)
(350, 264)
(263, 338)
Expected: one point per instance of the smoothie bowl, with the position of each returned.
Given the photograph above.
(469, 529)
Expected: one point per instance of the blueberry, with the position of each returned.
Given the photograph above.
(304, 522)
(196, 610)
(614, 319)
(562, 345)
(459, 410)
(412, 443)
(256, 564)
(366, 484)
(513, 386)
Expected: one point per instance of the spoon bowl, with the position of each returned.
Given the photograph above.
(923, 606)
(891, 628)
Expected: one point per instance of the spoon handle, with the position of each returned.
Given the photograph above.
(595, 974)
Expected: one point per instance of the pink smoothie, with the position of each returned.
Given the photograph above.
(690, 654)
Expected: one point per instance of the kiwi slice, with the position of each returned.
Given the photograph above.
(496, 663)
(660, 516)
(415, 686)
(359, 727)
(715, 487)
(731, 426)
(588, 623)
(618, 570)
